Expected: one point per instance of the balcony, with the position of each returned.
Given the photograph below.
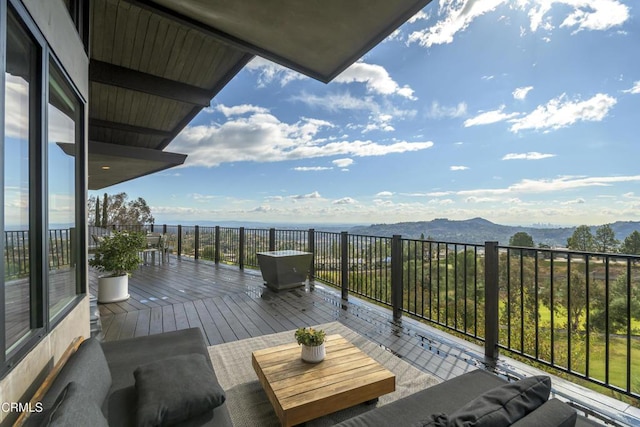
(424, 301)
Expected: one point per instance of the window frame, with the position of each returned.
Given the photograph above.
(41, 324)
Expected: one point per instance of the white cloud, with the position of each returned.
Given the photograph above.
(439, 193)
(521, 93)
(561, 112)
(268, 72)
(456, 15)
(343, 163)
(337, 101)
(239, 110)
(376, 79)
(458, 168)
(421, 15)
(264, 138)
(532, 155)
(345, 201)
(384, 194)
(16, 119)
(311, 168)
(635, 89)
(595, 14)
(313, 195)
(578, 201)
(551, 185)
(201, 197)
(438, 111)
(490, 117)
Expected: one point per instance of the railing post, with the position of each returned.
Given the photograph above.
(216, 244)
(164, 228)
(344, 269)
(311, 247)
(196, 242)
(396, 276)
(272, 239)
(179, 241)
(241, 248)
(491, 303)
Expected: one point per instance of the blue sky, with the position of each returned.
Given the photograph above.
(521, 112)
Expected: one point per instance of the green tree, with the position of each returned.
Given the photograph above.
(96, 221)
(617, 307)
(572, 298)
(117, 210)
(581, 239)
(521, 239)
(605, 239)
(105, 220)
(631, 244)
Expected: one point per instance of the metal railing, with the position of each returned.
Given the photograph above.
(576, 312)
(16, 251)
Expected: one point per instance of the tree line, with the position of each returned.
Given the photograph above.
(116, 209)
(604, 241)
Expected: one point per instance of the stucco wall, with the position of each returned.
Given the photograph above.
(45, 355)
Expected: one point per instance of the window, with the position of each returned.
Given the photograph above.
(64, 135)
(42, 215)
(20, 140)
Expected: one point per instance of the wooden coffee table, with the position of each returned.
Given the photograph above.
(301, 391)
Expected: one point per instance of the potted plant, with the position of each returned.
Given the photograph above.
(118, 255)
(312, 342)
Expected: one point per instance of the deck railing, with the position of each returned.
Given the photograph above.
(17, 248)
(577, 312)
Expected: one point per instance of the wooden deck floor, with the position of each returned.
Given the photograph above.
(230, 304)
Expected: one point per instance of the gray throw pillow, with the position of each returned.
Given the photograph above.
(73, 407)
(175, 389)
(503, 405)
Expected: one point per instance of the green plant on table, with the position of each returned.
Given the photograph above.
(310, 336)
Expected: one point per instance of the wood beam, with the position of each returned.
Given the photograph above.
(114, 75)
(129, 128)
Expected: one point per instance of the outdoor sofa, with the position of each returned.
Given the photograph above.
(162, 379)
(477, 398)
(168, 379)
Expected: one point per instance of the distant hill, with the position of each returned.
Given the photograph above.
(479, 230)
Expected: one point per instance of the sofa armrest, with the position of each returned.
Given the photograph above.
(552, 413)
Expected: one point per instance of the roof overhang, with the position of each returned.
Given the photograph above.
(155, 64)
(111, 164)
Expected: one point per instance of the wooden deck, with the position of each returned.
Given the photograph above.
(230, 304)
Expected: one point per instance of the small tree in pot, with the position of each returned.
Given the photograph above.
(118, 255)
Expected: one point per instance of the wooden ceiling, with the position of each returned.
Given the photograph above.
(155, 64)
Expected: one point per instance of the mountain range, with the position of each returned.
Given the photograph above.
(480, 230)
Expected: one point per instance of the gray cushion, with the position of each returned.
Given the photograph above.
(552, 413)
(87, 367)
(74, 407)
(500, 406)
(176, 389)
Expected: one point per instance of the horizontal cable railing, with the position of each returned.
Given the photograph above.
(576, 312)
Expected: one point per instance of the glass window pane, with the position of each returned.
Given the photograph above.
(20, 101)
(63, 133)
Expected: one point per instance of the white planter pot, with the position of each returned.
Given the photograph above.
(113, 289)
(313, 353)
